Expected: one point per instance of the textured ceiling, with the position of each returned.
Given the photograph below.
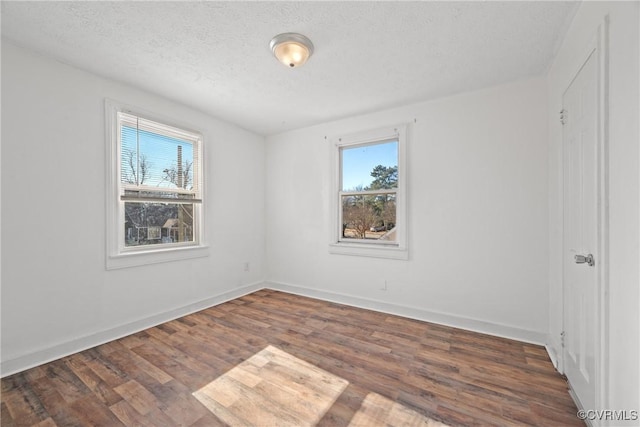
(215, 56)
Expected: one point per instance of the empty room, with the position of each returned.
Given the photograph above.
(320, 213)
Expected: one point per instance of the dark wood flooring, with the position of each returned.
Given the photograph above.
(457, 377)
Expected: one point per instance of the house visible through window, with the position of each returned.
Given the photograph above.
(370, 197)
(157, 187)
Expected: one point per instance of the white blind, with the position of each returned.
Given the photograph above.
(158, 161)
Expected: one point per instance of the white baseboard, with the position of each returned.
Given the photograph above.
(30, 360)
(580, 406)
(553, 356)
(495, 329)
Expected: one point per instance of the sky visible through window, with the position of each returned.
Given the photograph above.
(358, 162)
(159, 151)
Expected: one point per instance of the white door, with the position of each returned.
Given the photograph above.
(580, 140)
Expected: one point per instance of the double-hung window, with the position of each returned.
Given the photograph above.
(369, 194)
(155, 194)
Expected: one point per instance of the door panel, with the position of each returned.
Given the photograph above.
(580, 140)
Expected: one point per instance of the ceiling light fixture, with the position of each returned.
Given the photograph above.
(292, 49)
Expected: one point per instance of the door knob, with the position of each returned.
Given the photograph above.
(581, 259)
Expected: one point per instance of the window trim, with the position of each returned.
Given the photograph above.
(117, 255)
(358, 247)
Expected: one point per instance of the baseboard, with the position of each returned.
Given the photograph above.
(481, 326)
(30, 360)
(580, 406)
(553, 356)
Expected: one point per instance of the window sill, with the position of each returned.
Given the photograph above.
(136, 259)
(373, 251)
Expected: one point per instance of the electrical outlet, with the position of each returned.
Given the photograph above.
(247, 266)
(384, 285)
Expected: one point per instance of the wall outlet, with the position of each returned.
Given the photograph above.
(384, 285)
(247, 266)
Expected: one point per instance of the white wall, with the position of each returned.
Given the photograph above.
(477, 214)
(623, 366)
(57, 296)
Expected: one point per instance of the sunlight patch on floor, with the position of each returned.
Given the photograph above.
(377, 410)
(272, 387)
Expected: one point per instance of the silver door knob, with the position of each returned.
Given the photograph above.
(582, 259)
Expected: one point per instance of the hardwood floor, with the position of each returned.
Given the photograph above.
(272, 357)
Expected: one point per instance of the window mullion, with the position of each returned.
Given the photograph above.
(149, 189)
(368, 192)
(139, 199)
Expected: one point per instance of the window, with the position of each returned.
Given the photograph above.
(370, 194)
(155, 194)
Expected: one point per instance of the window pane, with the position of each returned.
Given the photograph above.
(370, 167)
(157, 223)
(369, 217)
(155, 160)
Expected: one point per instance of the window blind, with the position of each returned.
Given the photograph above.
(158, 162)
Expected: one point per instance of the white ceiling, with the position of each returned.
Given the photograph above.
(215, 56)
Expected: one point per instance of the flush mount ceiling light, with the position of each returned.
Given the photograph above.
(292, 49)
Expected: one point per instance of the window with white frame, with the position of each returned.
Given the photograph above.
(155, 197)
(370, 194)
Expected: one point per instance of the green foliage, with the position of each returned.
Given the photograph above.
(384, 177)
